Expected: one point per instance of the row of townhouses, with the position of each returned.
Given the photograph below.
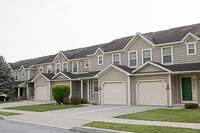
(156, 68)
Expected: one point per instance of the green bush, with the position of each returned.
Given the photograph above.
(75, 100)
(84, 100)
(191, 105)
(60, 92)
(94, 103)
(66, 100)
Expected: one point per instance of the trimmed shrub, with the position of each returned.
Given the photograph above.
(191, 105)
(75, 100)
(94, 103)
(84, 101)
(60, 92)
(66, 100)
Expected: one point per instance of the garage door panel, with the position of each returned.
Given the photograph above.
(41, 92)
(152, 93)
(114, 93)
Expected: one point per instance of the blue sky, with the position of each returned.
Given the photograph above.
(33, 28)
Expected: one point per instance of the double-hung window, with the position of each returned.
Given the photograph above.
(23, 73)
(100, 60)
(49, 69)
(132, 58)
(191, 48)
(146, 55)
(58, 67)
(116, 59)
(86, 63)
(16, 75)
(65, 67)
(75, 67)
(41, 69)
(95, 86)
(167, 55)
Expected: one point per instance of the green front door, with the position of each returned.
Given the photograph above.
(186, 89)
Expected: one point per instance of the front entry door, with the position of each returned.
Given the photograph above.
(186, 89)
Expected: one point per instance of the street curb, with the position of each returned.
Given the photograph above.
(2, 117)
(96, 130)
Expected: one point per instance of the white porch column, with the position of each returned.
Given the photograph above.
(27, 91)
(18, 92)
(81, 88)
(88, 90)
(70, 95)
(129, 91)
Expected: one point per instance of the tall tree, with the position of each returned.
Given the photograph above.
(6, 78)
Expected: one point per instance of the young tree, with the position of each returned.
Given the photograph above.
(6, 78)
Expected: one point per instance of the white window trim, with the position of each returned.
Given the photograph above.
(171, 55)
(22, 73)
(63, 65)
(119, 58)
(42, 69)
(50, 68)
(150, 54)
(56, 67)
(98, 59)
(73, 67)
(97, 86)
(88, 63)
(195, 48)
(136, 59)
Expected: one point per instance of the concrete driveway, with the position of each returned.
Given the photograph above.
(69, 118)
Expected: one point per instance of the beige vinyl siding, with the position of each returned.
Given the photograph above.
(32, 73)
(150, 68)
(20, 78)
(136, 79)
(174, 89)
(115, 75)
(76, 88)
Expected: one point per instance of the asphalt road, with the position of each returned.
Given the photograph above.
(7, 126)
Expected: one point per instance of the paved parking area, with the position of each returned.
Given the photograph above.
(69, 118)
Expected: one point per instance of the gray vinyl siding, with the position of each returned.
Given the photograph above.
(32, 74)
(115, 75)
(149, 68)
(76, 88)
(94, 96)
(174, 89)
(136, 79)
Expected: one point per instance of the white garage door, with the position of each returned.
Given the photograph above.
(114, 93)
(41, 92)
(151, 93)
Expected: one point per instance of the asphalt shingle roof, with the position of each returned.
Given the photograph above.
(75, 76)
(48, 75)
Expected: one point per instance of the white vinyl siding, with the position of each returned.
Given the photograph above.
(167, 57)
(49, 69)
(191, 48)
(65, 67)
(116, 59)
(132, 59)
(95, 86)
(58, 67)
(41, 69)
(146, 55)
(75, 66)
(23, 73)
(100, 60)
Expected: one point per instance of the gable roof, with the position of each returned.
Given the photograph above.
(82, 75)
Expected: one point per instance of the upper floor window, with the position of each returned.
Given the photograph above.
(16, 75)
(132, 57)
(23, 73)
(86, 63)
(191, 48)
(166, 55)
(75, 66)
(116, 59)
(146, 55)
(49, 69)
(41, 69)
(65, 67)
(95, 86)
(58, 67)
(100, 60)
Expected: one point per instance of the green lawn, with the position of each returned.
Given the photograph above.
(171, 115)
(8, 113)
(140, 128)
(43, 107)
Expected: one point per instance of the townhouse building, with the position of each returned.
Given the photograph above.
(157, 68)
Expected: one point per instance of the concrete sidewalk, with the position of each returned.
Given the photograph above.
(153, 123)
